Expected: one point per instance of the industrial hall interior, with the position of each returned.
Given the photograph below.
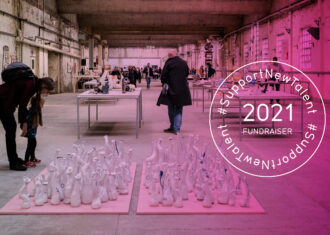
(164, 117)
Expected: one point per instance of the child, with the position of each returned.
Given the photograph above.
(34, 119)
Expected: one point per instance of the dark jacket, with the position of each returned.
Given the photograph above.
(175, 74)
(210, 72)
(18, 94)
(131, 76)
(151, 73)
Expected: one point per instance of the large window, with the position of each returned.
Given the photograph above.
(279, 46)
(265, 49)
(246, 53)
(306, 49)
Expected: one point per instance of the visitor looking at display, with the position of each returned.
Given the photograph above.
(34, 119)
(20, 85)
(175, 93)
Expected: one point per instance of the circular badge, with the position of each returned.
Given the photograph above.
(267, 118)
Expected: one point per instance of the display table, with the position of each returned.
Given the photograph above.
(279, 95)
(113, 94)
(79, 77)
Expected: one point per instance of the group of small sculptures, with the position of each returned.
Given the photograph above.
(83, 177)
(172, 172)
(186, 166)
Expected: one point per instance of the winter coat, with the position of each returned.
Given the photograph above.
(175, 73)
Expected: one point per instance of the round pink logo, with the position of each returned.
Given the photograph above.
(267, 118)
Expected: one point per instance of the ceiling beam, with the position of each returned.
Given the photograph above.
(159, 20)
(108, 32)
(153, 37)
(238, 7)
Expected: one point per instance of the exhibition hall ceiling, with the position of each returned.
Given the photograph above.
(130, 23)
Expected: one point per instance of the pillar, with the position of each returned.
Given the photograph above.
(91, 53)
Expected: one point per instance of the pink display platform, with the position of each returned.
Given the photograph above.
(120, 206)
(193, 206)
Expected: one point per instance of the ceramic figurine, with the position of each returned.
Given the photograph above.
(33, 189)
(75, 199)
(86, 190)
(26, 201)
(68, 185)
(112, 193)
(39, 199)
(245, 192)
(154, 197)
(24, 189)
(96, 202)
(55, 197)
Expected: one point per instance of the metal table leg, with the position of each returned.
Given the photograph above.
(137, 117)
(302, 118)
(89, 113)
(223, 115)
(240, 120)
(97, 110)
(203, 99)
(140, 110)
(141, 113)
(78, 119)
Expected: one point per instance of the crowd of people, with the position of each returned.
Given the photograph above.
(24, 90)
(135, 74)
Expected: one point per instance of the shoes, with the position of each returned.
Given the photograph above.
(17, 167)
(169, 130)
(29, 164)
(20, 161)
(36, 160)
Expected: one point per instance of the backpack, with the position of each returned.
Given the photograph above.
(17, 71)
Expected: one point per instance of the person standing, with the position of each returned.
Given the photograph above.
(175, 93)
(277, 68)
(148, 73)
(210, 71)
(131, 75)
(34, 119)
(138, 74)
(20, 85)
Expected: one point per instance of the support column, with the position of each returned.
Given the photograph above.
(99, 54)
(91, 53)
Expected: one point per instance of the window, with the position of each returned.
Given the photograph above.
(237, 59)
(265, 49)
(246, 53)
(306, 50)
(279, 46)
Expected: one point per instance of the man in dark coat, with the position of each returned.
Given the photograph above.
(132, 75)
(210, 71)
(18, 93)
(174, 75)
(149, 73)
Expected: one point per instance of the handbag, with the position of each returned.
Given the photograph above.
(165, 89)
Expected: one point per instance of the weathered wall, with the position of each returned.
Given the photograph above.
(138, 56)
(291, 26)
(33, 32)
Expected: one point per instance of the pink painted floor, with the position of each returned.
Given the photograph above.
(120, 206)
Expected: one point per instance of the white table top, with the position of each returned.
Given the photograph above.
(268, 95)
(114, 93)
(87, 76)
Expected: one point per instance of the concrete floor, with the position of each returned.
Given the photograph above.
(295, 204)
